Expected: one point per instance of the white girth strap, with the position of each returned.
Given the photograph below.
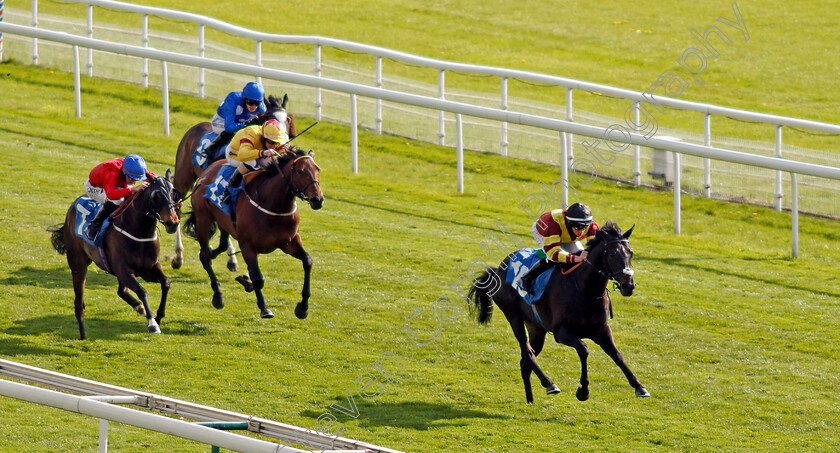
(128, 235)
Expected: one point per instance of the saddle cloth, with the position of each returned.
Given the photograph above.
(214, 190)
(519, 264)
(86, 209)
(200, 157)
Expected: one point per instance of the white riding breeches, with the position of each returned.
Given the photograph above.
(98, 194)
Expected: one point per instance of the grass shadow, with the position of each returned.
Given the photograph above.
(55, 278)
(97, 328)
(417, 415)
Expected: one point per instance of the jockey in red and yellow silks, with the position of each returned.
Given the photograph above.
(552, 230)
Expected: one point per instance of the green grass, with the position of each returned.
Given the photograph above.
(736, 341)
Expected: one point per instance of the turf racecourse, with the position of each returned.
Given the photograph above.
(736, 341)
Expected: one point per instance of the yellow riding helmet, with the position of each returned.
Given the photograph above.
(275, 132)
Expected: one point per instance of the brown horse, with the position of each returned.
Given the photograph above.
(267, 219)
(186, 173)
(131, 248)
(573, 307)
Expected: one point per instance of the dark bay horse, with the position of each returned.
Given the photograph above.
(186, 173)
(131, 248)
(267, 219)
(573, 307)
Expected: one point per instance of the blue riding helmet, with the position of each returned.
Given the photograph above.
(253, 91)
(134, 167)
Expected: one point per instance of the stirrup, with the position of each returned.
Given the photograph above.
(225, 198)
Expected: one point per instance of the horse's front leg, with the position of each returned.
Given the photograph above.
(178, 259)
(207, 262)
(295, 249)
(250, 255)
(232, 264)
(567, 338)
(604, 339)
(127, 281)
(155, 274)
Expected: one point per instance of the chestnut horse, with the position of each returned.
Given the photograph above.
(573, 307)
(267, 219)
(186, 173)
(131, 248)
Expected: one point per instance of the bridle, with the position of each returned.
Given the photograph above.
(607, 272)
(290, 180)
(153, 211)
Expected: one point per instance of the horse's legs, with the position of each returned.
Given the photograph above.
(528, 362)
(223, 245)
(604, 339)
(536, 338)
(78, 268)
(295, 249)
(127, 281)
(202, 229)
(250, 256)
(155, 274)
(567, 338)
(178, 259)
(232, 264)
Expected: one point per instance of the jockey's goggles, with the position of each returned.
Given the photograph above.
(251, 102)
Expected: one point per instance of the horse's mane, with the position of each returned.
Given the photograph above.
(610, 229)
(284, 158)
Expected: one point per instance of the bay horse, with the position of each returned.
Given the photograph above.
(267, 219)
(186, 173)
(573, 307)
(131, 248)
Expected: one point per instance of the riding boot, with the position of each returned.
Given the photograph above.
(220, 141)
(106, 210)
(235, 180)
(531, 276)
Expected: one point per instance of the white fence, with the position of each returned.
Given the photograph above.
(101, 401)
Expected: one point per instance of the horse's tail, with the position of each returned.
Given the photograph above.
(188, 226)
(482, 292)
(57, 238)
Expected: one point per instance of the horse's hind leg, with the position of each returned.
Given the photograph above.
(178, 259)
(604, 339)
(536, 338)
(567, 338)
(528, 362)
(257, 281)
(295, 248)
(79, 272)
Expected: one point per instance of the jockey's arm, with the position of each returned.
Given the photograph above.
(229, 107)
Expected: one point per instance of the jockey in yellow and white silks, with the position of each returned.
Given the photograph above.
(251, 148)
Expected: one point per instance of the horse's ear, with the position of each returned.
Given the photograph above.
(627, 234)
(168, 175)
(285, 100)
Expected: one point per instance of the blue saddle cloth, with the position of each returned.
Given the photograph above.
(200, 157)
(519, 264)
(86, 209)
(214, 190)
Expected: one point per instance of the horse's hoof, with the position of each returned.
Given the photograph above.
(301, 311)
(266, 314)
(154, 329)
(177, 262)
(233, 266)
(218, 301)
(642, 392)
(552, 390)
(140, 310)
(582, 394)
(245, 281)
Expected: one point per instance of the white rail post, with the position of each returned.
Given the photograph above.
(77, 81)
(677, 185)
(379, 101)
(778, 172)
(34, 24)
(164, 75)
(144, 39)
(89, 65)
(569, 137)
(258, 59)
(441, 95)
(317, 90)
(354, 134)
(564, 166)
(707, 163)
(201, 54)
(504, 106)
(2, 9)
(637, 150)
(460, 152)
(103, 435)
(794, 211)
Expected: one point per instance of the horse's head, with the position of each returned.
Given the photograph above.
(164, 201)
(610, 253)
(301, 173)
(276, 109)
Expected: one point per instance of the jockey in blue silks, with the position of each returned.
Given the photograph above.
(238, 108)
